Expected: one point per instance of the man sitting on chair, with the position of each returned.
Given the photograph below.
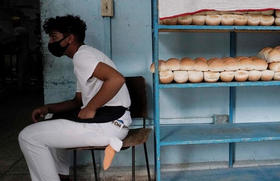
(101, 97)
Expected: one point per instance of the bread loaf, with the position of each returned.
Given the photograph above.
(267, 12)
(227, 19)
(267, 20)
(169, 21)
(276, 76)
(166, 76)
(195, 76)
(213, 20)
(241, 75)
(254, 75)
(259, 64)
(275, 66)
(254, 19)
(246, 64)
(173, 64)
(263, 54)
(181, 76)
(185, 20)
(200, 65)
(267, 75)
(198, 19)
(227, 76)
(187, 64)
(161, 65)
(273, 56)
(201, 59)
(216, 65)
(240, 20)
(211, 76)
(231, 64)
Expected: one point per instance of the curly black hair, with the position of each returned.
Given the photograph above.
(68, 24)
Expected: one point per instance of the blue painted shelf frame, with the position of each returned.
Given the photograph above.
(195, 134)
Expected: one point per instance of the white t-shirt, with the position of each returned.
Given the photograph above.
(85, 61)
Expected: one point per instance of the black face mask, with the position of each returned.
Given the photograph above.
(56, 49)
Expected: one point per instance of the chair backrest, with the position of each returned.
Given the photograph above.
(137, 91)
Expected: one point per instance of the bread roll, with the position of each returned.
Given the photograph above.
(277, 13)
(276, 76)
(241, 75)
(227, 76)
(246, 64)
(187, 64)
(201, 59)
(166, 76)
(181, 76)
(200, 65)
(185, 20)
(254, 20)
(263, 54)
(275, 66)
(216, 65)
(267, 20)
(238, 58)
(169, 21)
(195, 76)
(277, 21)
(173, 64)
(227, 19)
(211, 76)
(231, 64)
(161, 65)
(267, 75)
(213, 20)
(267, 12)
(240, 20)
(273, 56)
(198, 19)
(254, 75)
(259, 64)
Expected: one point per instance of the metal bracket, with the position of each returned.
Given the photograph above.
(107, 8)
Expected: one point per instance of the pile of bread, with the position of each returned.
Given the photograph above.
(240, 18)
(265, 67)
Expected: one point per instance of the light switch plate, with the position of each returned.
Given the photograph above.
(107, 7)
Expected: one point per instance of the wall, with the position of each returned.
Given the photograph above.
(132, 53)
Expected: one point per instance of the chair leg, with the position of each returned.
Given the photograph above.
(133, 163)
(94, 165)
(74, 164)
(147, 162)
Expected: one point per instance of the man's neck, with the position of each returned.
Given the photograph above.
(73, 49)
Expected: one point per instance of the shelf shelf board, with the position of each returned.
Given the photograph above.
(218, 133)
(221, 84)
(220, 28)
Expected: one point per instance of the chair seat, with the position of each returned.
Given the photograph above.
(133, 138)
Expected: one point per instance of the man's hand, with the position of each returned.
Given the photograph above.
(39, 113)
(86, 113)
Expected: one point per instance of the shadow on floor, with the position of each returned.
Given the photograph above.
(16, 108)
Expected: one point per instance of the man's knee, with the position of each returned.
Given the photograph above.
(25, 134)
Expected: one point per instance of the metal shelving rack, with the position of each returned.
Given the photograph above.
(210, 133)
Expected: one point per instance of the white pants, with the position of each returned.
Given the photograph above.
(42, 143)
